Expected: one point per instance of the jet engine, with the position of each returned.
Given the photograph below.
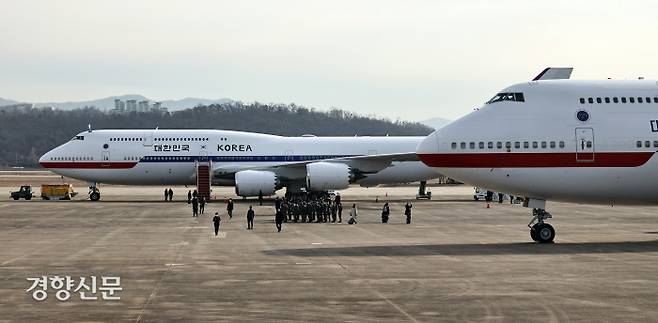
(253, 182)
(323, 176)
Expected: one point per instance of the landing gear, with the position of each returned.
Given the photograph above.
(94, 192)
(540, 231)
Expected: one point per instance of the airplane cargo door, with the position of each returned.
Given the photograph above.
(584, 145)
(105, 159)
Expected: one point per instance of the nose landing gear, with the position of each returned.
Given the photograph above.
(539, 230)
(94, 192)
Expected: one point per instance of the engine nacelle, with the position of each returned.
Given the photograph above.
(253, 182)
(323, 176)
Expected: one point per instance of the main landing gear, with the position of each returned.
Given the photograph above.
(94, 192)
(539, 230)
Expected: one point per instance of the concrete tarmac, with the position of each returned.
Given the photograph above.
(458, 261)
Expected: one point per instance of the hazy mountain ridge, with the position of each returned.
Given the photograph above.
(108, 102)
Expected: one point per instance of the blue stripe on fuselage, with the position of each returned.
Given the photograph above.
(272, 158)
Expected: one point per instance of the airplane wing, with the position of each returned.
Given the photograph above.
(365, 164)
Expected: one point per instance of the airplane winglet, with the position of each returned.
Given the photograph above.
(554, 73)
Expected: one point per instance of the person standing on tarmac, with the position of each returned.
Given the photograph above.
(250, 218)
(334, 209)
(353, 215)
(189, 196)
(195, 207)
(171, 194)
(229, 208)
(202, 204)
(407, 212)
(340, 211)
(166, 194)
(260, 198)
(278, 219)
(385, 213)
(277, 204)
(215, 220)
(500, 198)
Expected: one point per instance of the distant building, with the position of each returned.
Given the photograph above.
(143, 106)
(131, 106)
(119, 106)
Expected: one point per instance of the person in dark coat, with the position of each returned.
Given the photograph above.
(216, 220)
(278, 219)
(340, 212)
(260, 197)
(171, 194)
(407, 211)
(386, 211)
(500, 198)
(277, 204)
(250, 218)
(189, 196)
(195, 207)
(229, 208)
(166, 194)
(202, 204)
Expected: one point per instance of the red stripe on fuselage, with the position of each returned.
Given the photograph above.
(530, 160)
(91, 165)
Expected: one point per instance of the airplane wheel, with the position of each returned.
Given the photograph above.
(545, 233)
(95, 196)
(533, 232)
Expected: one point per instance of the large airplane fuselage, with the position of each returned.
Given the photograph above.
(568, 140)
(169, 157)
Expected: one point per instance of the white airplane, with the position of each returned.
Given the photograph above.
(254, 163)
(556, 139)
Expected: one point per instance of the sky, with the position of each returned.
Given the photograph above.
(407, 60)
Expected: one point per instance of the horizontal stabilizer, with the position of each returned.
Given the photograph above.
(554, 73)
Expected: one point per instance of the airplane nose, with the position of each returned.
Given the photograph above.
(427, 149)
(43, 159)
(429, 145)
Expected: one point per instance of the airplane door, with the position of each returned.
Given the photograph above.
(584, 145)
(148, 139)
(105, 159)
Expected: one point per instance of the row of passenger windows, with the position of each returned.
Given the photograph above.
(66, 158)
(131, 158)
(623, 99)
(508, 144)
(125, 139)
(160, 139)
(181, 139)
(647, 144)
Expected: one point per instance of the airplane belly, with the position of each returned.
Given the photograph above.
(604, 185)
(140, 174)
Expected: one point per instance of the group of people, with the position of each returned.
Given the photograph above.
(296, 209)
(198, 203)
(386, 212)
(308, 209)
(168, 194)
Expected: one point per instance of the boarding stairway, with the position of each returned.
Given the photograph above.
(203, 179)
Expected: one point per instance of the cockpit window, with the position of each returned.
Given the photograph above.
(78, 138)
(508, 96)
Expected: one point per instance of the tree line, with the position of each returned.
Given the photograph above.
(27, 134)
